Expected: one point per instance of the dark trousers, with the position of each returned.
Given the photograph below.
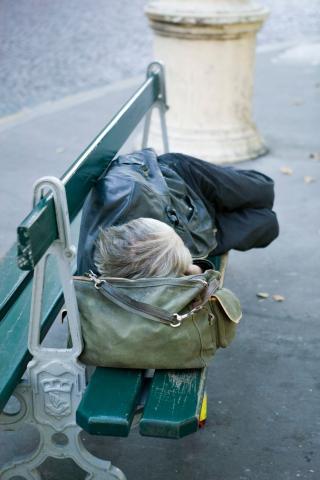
(239, 201)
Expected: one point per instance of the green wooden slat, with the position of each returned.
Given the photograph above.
(109, 402)
(14, 354)
(39, 229)
(174, 402)
(13, 280)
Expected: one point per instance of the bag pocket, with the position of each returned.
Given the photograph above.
(226, 310)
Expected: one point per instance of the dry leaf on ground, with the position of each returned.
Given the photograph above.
(315, 155)
(286, 170)
(262, 295)
(308, 179)
(278, 298)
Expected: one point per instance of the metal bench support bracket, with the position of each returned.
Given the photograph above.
(157, 68)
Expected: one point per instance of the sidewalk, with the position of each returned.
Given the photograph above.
(46, 141)
(264, 391)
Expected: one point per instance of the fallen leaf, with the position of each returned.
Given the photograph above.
(309, 179)
(278, 298)
(315, 156)
(262, 295)
(286, 170)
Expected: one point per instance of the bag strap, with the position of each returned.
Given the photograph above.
(149, 311)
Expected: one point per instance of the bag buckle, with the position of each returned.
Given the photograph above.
(178, 319)
(96, 280)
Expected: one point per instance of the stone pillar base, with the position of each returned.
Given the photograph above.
(216, 146)
(208, 49)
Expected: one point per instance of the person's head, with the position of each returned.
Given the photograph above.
(141, 248)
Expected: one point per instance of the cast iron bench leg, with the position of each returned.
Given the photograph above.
(63, 442)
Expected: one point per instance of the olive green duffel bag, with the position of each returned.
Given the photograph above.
(164, 323)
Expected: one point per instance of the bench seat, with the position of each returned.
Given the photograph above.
(172, 406)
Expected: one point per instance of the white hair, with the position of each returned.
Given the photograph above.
(141, 248)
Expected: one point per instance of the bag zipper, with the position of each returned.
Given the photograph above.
(92, 277)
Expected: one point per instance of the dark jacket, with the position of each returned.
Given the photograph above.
(213, 208)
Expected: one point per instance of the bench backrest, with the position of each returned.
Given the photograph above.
(39, 230)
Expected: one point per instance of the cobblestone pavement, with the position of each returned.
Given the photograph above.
(51, 49)
(290, 21)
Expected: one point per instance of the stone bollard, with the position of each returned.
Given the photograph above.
(208, 48)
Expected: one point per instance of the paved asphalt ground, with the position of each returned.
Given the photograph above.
(264, 391)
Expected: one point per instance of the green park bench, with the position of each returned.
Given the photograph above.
(53, 391)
